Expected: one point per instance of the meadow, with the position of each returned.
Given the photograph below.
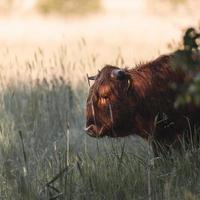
(45, 153)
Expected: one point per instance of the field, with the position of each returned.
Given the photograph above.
(44, 151)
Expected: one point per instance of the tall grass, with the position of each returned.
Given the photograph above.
(45, 153)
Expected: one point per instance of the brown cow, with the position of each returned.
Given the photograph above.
(139, 101)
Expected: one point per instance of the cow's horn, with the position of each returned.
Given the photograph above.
(118, 74)
(91, 77)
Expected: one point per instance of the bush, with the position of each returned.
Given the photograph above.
(68, 6)
(188, 59)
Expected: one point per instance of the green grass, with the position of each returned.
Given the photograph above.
(45, 153)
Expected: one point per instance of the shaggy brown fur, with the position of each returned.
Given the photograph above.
(139, 101)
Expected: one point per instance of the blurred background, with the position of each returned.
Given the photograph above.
(139, 29)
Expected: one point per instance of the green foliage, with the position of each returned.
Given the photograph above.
(66, 7)
(188, 60)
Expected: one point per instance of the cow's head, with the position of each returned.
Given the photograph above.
(109, 103)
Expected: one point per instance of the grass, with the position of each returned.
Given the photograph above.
(45, 153)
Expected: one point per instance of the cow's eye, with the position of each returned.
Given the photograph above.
(105, 97)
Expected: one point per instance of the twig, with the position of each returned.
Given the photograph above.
(23, 150)
(88, 80)
(57, 176)
(56, 196)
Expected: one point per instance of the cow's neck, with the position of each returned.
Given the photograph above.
(152, 92)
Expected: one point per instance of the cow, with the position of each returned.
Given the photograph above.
(140, 101)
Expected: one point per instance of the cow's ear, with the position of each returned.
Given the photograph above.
(119, 74)
(122, 75)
